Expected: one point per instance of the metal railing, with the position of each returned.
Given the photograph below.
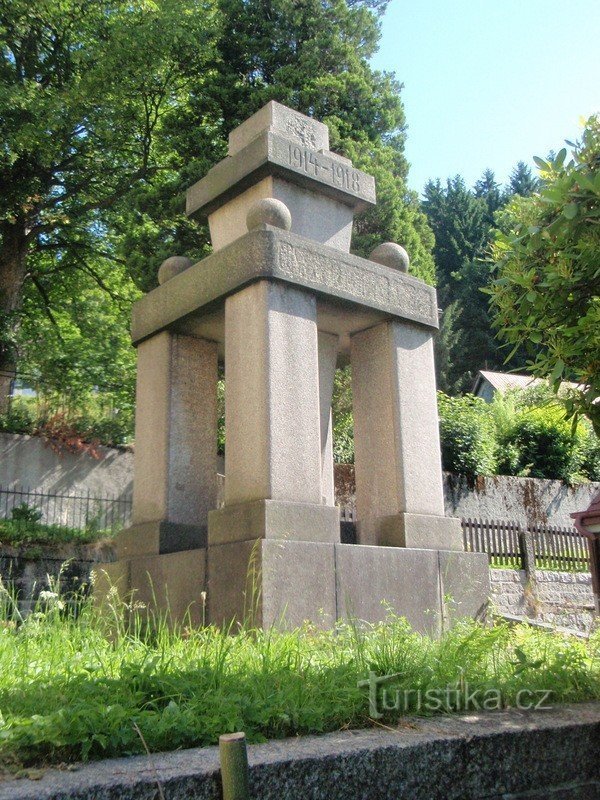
(79, 510)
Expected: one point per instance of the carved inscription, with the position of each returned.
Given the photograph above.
(392, 293)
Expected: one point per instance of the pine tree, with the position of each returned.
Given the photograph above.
(522, 181)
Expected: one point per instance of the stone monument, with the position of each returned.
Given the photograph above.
(282, 301)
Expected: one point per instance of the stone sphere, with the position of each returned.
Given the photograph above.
(391, 255)
(172, 266)
(269, 211)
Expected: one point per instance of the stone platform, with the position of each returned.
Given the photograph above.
(268, 582)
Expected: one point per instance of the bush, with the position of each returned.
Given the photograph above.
(468, 435)
(546, 445)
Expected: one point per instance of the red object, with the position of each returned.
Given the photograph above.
(583, 520)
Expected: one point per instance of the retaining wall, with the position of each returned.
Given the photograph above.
(29, 461)
(560, 598)
(513, 755)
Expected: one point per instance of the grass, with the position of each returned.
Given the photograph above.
(79, 686)
(24, 532)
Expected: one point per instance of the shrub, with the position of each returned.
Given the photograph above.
(546, 445)
(468, 436)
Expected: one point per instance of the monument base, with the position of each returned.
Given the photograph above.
(170, 586)
(420, 531)
(266, 582)
(274, 519)
(286, 583)
(159, 536)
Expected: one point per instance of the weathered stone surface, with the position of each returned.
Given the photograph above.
(173, 266)
(413, 530)
(510, 755)
(346, 285)
(274, 519)
(176, 430)
(298, 128)
(313, 216)
(397, 449)
(272, 398)
(272, 154)
(391, 255)
(369, 580)
(171, 585)
(160, 536)
(266, 582)
(269, 211)
(465, 585)
(328, 351)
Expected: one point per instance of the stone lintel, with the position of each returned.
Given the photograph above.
(272, 154)
(345, 281)
(274, 519)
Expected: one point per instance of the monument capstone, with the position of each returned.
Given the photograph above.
(282, 301)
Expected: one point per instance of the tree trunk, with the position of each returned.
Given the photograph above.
(13, 249)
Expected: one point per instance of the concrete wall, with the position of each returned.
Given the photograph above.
(523, 500)
(29, 461)
(559, 598)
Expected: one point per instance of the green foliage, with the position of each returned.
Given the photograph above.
(467, 434)
(27, 530)
(79, 686)
(26, 514)
(546, 445)
(522, 181)
(545, 294)
(519, 433)
(343, 421)
(92, 417)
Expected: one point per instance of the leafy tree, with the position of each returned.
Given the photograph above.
(84, 86)
(460, 222)
(108, 110)
(461, 232)
(546, 293)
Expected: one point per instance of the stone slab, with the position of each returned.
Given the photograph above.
(266, 583)
(171, 585)
(343, 283)
(111, 579)
(426, 531)
(274, 519)
(160, 536)
(465, 585)
(550, 755)
(297, 127)
(272, 154)
(371, 580)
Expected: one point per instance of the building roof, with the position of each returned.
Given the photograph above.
(502, 381)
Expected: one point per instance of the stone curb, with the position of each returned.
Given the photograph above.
(492, 755)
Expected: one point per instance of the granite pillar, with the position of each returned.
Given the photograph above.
(399, 494)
